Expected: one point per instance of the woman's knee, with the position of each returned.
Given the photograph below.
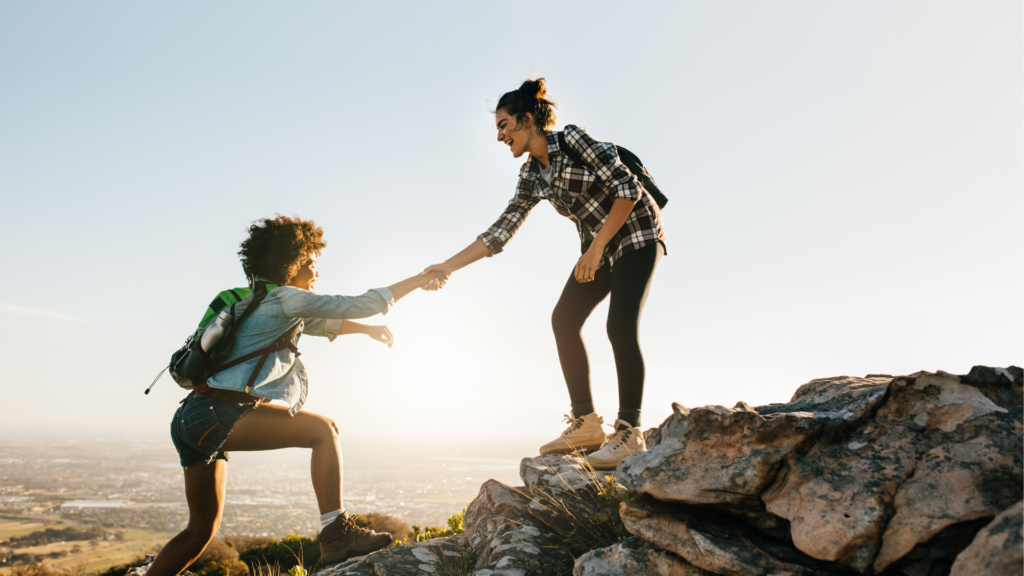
(623, 332)
(202, 527)
(327, 430)
(565, 322)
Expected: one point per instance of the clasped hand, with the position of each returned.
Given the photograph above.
(440, 272)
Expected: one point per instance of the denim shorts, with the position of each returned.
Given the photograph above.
(201, 425)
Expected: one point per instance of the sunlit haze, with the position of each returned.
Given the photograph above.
(845, 184)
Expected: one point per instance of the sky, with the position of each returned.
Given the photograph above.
(845, 184)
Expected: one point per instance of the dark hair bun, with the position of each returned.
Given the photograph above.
(536, 88)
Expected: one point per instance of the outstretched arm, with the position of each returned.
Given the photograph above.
(378, 333)
(443, 271)
(400, 289)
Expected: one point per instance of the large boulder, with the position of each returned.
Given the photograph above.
(998, 549)
(570, 499)
(727, 457)
(715, 542)
(506, 538)
(940, 450)
(634, 557)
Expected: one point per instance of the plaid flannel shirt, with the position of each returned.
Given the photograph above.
(584, 193)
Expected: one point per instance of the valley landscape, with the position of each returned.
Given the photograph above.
(105, 503)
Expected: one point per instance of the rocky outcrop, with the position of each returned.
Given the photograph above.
(634, 557)
(868, 474)
(998, 549)
(917, 475)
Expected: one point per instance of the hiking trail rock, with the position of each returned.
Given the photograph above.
(634, 557)
(917, 475)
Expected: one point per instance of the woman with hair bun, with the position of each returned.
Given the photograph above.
(622, 238)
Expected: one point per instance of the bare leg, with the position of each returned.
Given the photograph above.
(204, 491)
(270, 427)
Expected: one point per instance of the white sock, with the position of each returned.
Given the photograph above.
(326, 519)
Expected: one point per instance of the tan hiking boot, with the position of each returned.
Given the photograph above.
(623, 443)
(342, 540)
(583, 435)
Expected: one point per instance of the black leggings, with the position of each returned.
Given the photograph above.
(628, 282)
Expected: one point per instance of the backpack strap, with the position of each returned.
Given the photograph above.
(563, 146)
(632, 163)
(284, 341)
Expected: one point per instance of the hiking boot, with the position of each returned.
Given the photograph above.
(342, 540)
(583, 435)
(626, 441)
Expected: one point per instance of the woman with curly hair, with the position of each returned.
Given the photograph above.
(622, 239)
(230, 410)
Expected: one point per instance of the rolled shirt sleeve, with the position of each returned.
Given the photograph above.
(323, 327)
(603, 158)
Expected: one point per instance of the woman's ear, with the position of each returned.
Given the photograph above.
(527, 121)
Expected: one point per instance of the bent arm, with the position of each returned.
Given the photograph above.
(331, 328)
(617, 216)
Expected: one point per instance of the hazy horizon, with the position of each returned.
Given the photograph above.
(845, 185)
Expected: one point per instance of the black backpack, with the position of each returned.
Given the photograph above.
(630, 160)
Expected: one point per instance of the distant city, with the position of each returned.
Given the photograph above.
(139, 486)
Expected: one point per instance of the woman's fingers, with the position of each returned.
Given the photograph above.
(584, 272)
(382, 334)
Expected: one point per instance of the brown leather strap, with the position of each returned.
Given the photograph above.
(227, 395)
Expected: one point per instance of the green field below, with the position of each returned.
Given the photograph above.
(94, 555)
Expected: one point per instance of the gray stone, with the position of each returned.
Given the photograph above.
(634, 557)
(866, 499)
(716, 543)
(998, 549)
(506, 538)
(438, 556)
(507, 547)
(495, 500)
(558, 471)
(726, 457)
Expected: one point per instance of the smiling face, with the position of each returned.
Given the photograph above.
(306, 277)
(516, 135)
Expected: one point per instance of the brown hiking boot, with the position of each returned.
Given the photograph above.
(342, 540)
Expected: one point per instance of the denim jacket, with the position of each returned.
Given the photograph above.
(283, 377)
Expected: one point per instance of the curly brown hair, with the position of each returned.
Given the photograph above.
(277, 247)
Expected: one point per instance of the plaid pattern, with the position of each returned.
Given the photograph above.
(584, 193)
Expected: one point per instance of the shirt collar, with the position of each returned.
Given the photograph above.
(531, 168)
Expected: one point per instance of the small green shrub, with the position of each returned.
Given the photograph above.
(455, 526)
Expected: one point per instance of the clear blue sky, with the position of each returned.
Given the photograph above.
(845, 184)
